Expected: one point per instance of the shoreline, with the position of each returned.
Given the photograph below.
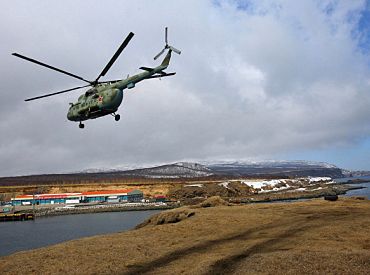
(50, 212)
(344, 188)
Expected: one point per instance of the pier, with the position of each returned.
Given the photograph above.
(16, 217)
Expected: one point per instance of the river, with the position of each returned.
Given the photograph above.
(18, 236)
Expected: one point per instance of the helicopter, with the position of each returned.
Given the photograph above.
(105, 97)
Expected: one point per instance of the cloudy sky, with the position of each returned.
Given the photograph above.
(256, 80)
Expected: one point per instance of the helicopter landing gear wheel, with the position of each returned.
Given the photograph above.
(117, 117)
(81, 125)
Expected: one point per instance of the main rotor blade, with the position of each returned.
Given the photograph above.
(50, 67)
(61, 92)
(115, 56)
(165, 35)
(160, 53)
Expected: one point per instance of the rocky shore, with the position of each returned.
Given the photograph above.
(251, 191)
(336, 189)
(57, 211)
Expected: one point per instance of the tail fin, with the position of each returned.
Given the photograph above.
(166, 60)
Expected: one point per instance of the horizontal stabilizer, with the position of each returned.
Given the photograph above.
(161, 75)
(146, 69)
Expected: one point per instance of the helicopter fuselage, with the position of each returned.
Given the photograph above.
(106, 98)
(97, 104)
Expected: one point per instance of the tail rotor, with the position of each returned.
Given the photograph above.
(166, 47)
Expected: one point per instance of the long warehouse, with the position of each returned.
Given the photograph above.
(84, 197)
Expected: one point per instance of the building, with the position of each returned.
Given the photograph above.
(160, 198)
(112, 196)
(85, 197)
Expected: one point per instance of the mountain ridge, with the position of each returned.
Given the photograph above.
(190, 170)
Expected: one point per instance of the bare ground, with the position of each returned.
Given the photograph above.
(313, 237)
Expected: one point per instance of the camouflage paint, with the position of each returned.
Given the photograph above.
(106, 98)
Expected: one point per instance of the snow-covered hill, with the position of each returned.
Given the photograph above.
(175, 170)
(230, 168)
(276, 168)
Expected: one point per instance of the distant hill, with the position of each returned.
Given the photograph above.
(277, 168)
(240, 169)
(175, 170)
(187, 170)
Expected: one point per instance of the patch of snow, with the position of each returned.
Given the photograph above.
(255, 184)
(261, 184)
(194, 185)
(318, 179)
(224, 184)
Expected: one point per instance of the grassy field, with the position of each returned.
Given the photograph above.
(312, 237)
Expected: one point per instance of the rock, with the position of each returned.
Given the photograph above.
(331, 197)
(171, 216)
(362, 198)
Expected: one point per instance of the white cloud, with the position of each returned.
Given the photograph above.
(253, 81)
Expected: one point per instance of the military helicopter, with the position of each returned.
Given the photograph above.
(105, 97)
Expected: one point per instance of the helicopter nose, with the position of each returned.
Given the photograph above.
(70, 115)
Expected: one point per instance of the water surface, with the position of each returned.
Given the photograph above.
(360, 192)
(344, 180)
(18, 236)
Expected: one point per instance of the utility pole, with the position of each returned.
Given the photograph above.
(13, 203)
(33, 205)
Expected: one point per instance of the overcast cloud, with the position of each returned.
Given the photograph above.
(255, 80)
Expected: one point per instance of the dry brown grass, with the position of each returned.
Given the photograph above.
(149, 189)
(171, 216)
(314, 237)
(212, 202)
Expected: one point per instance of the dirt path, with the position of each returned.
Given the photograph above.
(315, 237)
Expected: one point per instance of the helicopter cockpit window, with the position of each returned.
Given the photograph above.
(90, 92)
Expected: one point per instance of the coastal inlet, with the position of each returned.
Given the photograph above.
(19, 236)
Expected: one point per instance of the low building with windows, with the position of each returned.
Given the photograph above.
(112, 196)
